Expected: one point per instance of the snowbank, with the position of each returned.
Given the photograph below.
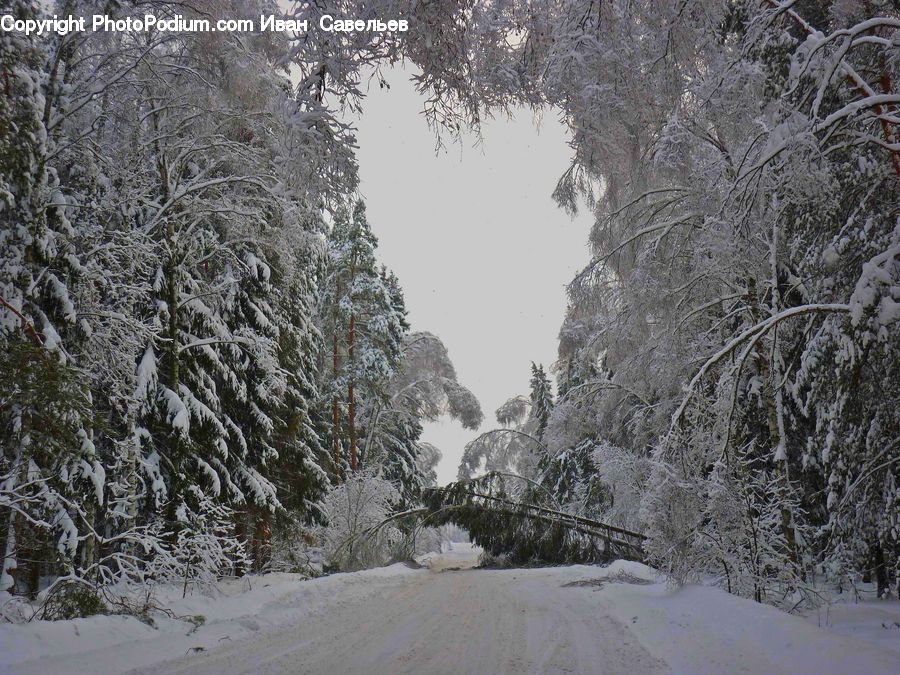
(698, 629)
(239, 609)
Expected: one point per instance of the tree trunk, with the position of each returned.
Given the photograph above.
(133, 458)
(335, 408)
(766, 363)
(781, 463)
(10, 561)
(879, 570)
(351, 400)
(10, 556)
(262, 541)
(34, 570)
(240, 533)
(89, 554)
(172, 301)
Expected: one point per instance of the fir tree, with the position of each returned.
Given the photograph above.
(366, 327)
(541, 401)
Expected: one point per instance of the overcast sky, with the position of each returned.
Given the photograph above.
(481, 250)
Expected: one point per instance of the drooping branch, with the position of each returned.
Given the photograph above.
(855, 80)
(27, 326)
(752, 332)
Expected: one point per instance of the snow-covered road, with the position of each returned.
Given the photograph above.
(453, 619)
(449, 621)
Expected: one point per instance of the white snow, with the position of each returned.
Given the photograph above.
(874, 621)
(449, 618)
(179, 415)
(240, 609)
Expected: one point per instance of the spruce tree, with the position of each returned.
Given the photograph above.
(541, 400)
(48, 463)
(366, 326)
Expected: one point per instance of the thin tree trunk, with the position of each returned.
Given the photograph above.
(879, 570)
(335, 407)
(90, 543)
(10, 557)
(133, 457)
(172, 301)
(770, 394)
(775, 404)
(240, 533)
(10, 561)
(351, 400)
(778, 442)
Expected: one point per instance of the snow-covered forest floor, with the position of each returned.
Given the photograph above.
(447, 617)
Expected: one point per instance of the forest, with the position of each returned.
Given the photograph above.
(207, 372)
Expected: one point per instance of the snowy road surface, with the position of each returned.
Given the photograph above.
(467, 621)
(450, 619)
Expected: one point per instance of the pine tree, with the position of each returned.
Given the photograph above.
(366, 325)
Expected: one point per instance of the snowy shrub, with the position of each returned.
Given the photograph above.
(15, 609)
(353, 538)
(488, 559)
(206, 546)
(626, 475)
(295, 549)
(71, 600)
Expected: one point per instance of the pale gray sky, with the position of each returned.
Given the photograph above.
(482, 251)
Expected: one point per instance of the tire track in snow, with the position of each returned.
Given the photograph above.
(466, 621)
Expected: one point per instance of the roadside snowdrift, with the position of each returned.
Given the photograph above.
(240, 609)
(448, 618)
(699, 629)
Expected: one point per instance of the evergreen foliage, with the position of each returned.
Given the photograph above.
(527, 527)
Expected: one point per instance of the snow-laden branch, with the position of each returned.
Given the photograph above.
(245, 342)
(752, 332)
